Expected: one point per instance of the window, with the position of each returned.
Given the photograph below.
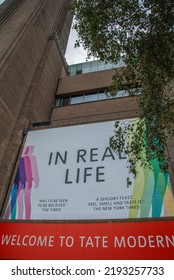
(102, 95)
(92, 66)
(86, 67)
(76, 99)
(65, 101)
(89, 97)
(122, 93)
(79, 69)
(101, 66)
(58, 101)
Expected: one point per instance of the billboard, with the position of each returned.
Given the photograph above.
(90, 241)
(71, 173)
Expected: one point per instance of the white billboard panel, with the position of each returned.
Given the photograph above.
(71, 173)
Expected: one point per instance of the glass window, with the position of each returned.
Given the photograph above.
(122, 93)
(102, 95)
(90, 97)
(72, 70)
(65, 101)
(120, 64)
(86, 67)
(108, 65)
(58, 101)
(101, 65)
(79, 72)
(94, 66)
(79, 69)
(76, 99)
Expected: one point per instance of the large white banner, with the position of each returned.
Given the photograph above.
(71, 173)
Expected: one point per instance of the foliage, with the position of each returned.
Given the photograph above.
(140, 33)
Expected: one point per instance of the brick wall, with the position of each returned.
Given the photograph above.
(31, 64)
(85, 82)
(111, 109)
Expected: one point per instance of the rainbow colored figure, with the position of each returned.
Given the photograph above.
(153, 189)
(26, 178)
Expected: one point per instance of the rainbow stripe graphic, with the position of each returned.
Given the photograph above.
(153, 189)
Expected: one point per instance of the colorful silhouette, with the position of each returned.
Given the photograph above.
(26, 177)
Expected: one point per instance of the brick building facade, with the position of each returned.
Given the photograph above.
(33, 39)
